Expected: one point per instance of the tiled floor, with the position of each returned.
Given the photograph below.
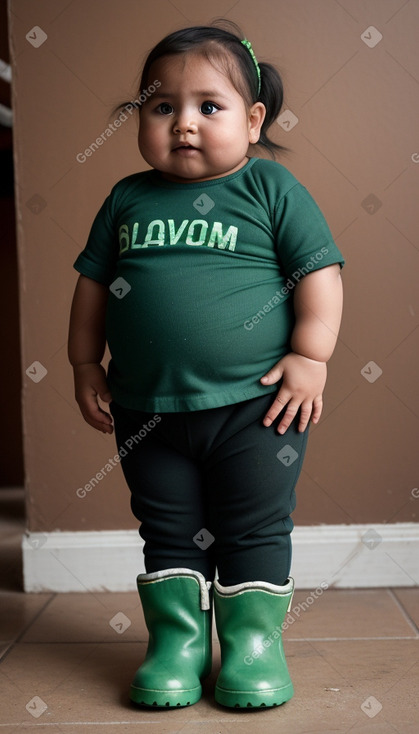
(353, 657)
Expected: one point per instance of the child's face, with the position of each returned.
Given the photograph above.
(196, 125)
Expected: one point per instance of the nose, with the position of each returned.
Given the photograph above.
(184, 123)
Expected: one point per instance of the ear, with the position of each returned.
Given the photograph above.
(256, 117)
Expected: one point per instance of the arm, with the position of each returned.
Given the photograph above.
(86, 346)
(318, 312)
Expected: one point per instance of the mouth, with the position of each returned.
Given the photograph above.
(184, 150)
(185, 146)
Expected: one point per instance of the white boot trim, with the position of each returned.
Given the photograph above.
(204, 586)
(288, 588)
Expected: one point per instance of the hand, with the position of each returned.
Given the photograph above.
(90, 384)
(302, 387)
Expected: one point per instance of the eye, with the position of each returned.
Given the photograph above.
(208, 108)
(165, 108)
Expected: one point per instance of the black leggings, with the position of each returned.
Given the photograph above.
(213, 488)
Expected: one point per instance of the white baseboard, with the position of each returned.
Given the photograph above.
(343, 556)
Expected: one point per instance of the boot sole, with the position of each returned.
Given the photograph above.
(165, 699)
(254, 699)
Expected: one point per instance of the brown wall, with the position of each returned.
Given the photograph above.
(352, 147)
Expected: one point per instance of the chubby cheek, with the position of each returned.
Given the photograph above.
(150, 145)
(147, 152)
(228, 147)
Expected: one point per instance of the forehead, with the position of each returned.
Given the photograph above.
(192, 67)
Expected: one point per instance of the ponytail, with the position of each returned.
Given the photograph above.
(272, 96)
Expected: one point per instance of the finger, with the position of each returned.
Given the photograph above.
(277, 406)
(94, 415)
(317, 409)
(108, 428)
(305, 414)
(288, 418)
(273, 376)
(104, 417)
(102, 422)
(103, 428)
(103, 391)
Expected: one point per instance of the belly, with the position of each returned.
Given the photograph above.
(216, 318)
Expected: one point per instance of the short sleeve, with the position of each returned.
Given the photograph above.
(99, 257)
(303, 239)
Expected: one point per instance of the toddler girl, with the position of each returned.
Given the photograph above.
(216, 283)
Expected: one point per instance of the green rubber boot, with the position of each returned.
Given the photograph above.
(177, 611)
(253, 667)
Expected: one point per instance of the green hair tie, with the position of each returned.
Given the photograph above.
(248, 45)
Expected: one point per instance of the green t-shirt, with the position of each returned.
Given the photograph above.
(201, 280)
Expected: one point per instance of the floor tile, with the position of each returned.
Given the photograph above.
(101, 617)
(91, 618)
(4, 646)
(336, 614)
(409, 599)
(342, 613)
(18, 610)
(80, 684)
(387, 670)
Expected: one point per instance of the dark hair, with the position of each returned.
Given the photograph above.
(219, 46)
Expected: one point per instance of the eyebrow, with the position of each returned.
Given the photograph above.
(197, 93)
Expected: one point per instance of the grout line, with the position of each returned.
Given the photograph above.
(346, 639)
(136, 641)
(215, 640)
(404, 612)
(111, 723)
(28, 626)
